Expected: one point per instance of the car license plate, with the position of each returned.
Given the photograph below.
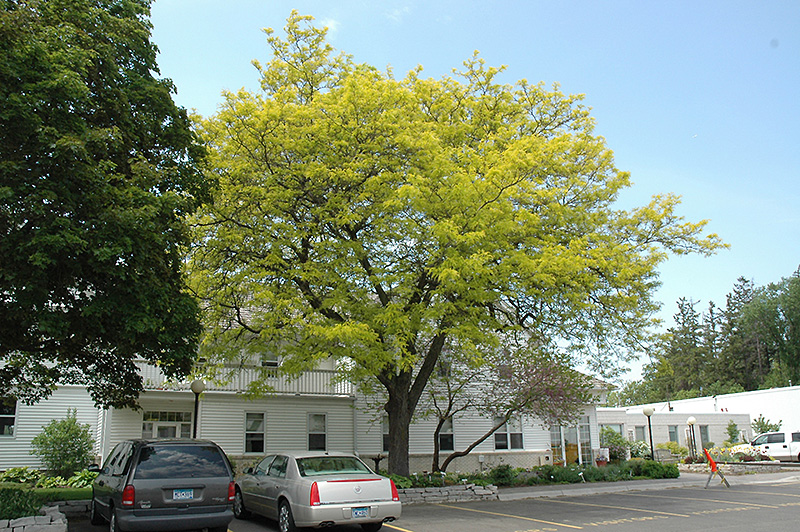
(360, 513)
(182, 495)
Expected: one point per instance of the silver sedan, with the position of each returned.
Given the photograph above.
(315, 489)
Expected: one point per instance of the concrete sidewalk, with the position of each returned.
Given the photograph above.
(685, 480)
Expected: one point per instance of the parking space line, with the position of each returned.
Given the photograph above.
(777, 494)
(701, 499)
(509, 515)
(617, 508)
(395, 527)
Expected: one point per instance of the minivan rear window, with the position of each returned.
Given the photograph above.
(180, 461)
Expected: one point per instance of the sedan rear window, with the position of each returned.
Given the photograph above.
(180, 461)
(329, 465)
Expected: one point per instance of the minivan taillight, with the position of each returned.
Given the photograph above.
(128, 495)
(314, 495)
(395, 495)
(231, 491)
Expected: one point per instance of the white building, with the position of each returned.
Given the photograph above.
(775, 404)
(673, 426)
(312, 412)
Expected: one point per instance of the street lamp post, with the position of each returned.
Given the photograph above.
(692, 442)
(648, 411)
(198, 386)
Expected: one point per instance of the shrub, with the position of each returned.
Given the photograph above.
(674, 447)
(639, 449)
(503, 475)
(82, 479)
(616, 443)
(21, 475)
(64, 445)
(400, 481)
(18, 502)
(51, 482)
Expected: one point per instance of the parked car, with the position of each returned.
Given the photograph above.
(784, 446)
(315, 489)
(165, 485)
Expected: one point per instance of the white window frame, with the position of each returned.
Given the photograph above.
(672, 432)
(13, 404)
(262, 433)
(509, 433)
(448, 430)
(316, 433)
(161, 418)
(385, 434)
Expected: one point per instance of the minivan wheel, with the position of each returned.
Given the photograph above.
(94, 516)
(239, 511)
(285, 519)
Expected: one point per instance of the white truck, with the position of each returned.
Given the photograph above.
(783, 446)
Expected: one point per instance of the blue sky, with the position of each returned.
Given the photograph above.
(701, 99)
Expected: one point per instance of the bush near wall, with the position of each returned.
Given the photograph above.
(18, 502)
(506, 476)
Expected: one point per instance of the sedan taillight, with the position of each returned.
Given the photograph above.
(395, 495)
(314, 499)
(128, 495)
(231, 491)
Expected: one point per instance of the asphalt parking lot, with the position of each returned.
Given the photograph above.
(751, 502)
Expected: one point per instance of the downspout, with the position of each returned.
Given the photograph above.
(355, 426)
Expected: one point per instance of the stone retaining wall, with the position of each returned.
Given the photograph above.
(738, 468)
(459, 493)
(50, 520)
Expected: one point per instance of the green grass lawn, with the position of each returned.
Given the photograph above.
(54, 494)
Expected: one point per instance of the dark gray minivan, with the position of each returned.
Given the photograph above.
(167, 485)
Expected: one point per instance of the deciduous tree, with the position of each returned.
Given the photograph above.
(374, 220)
(98, 168)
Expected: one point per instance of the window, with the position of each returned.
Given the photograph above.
(317, 434)
(278, 467)
(556, 444)
(270, 360)
(704, 439)
(254, 433)
(795, 436)
(639, 433)
(508, 436)
(118, 461)
(162, 425)
(263, 466)
(446, 435)
(615, 427)
(585, 439)
(8, 414)
(180, 461)
(385, 429)
(673, 433)
(776, 438)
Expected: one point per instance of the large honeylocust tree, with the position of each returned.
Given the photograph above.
(98, 169)
(373, 219)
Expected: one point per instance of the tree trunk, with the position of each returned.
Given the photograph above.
(400, 412)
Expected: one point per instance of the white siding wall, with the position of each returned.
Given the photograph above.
(15, 450)
(222, 420)
(467, 428)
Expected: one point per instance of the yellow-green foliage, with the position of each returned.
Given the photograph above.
(377, 220)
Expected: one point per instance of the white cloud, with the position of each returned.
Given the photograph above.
(331, 24)
(397, 15)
